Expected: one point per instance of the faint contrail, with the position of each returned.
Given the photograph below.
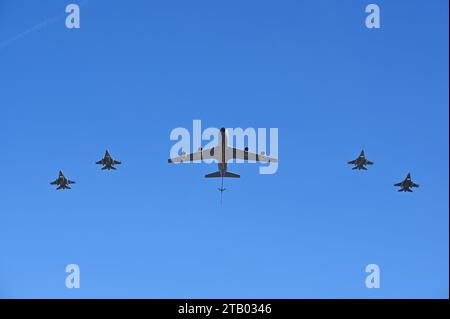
(37, 27)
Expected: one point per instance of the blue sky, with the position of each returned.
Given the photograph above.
(136, 70)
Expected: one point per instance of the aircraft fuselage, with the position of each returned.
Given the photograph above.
(223, 142)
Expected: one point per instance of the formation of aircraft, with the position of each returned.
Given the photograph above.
(406, 184)
(360, 162)
(63, 183)
(223, 153)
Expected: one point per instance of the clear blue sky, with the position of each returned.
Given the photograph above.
(137, 69)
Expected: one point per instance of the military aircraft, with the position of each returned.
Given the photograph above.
(222, 153)
(62, 182)
(108, 162)
(360, 162)
(406, 184)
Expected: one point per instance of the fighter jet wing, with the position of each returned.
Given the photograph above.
(70, 182)
(197, 156)
(352, 162)
(245, 155)
(399, 184)
(414, 185)
(369, 163)
(116, 163)
(99, 162)
(55, 182)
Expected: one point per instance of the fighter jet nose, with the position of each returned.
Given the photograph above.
(222, 129)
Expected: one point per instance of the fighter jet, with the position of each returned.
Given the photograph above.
(62, 182)
(108, 162)
(360, 162)
(222, 153)
(406, 184)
